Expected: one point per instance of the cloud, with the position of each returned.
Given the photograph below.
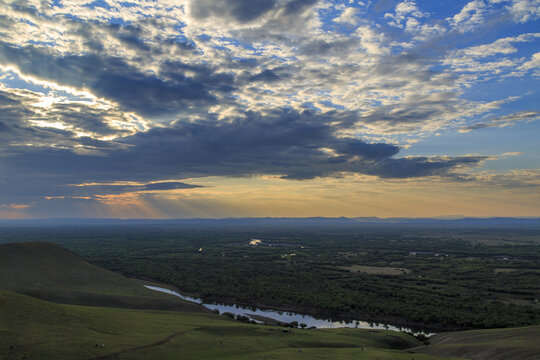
(494, 59)
(504, 121)
(323, 46)
(511, 179)
(14, 206)
(239, 10)
(500, 46)
(266, 76)
(348, 16)
(470, 17)
(146, 93)
(245, 11)
(32, 118)
(532, 64)
(287, 143)
(404, 12)
(424, 166)
(525, 10)
(407, 16)
(115, 79)
(93, 189)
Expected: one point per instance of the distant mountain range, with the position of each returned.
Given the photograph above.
(321, 221)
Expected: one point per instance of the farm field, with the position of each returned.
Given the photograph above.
(376, 270)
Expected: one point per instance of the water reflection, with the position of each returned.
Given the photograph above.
(286, 317)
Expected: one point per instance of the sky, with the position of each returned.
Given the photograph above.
(279, 108)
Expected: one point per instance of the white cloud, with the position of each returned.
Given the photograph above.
(521, 178)
(404, 12)
(500, 46)
(372, 41)
(497, 59)
(525, 10)
(470, 17)
(533, 64)
(348, 16)
(407, 16)
(504, 121)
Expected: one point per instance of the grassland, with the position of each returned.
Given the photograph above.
(493, 344)
(45, 330)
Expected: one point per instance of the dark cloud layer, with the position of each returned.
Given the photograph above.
(295, 145)
(244, 11)
(92, 190)
(113, 78)
(240, 10)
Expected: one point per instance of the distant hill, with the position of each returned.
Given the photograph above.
(50, 272)
(456, 221)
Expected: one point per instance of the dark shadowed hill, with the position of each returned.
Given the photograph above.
(50, 272)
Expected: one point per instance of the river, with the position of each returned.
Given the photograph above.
(286, 317)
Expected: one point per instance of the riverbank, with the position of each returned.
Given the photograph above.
(289, 317)
(393, 321)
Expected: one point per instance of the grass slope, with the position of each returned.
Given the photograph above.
(493, 344)
(50, 272)
(46, 330)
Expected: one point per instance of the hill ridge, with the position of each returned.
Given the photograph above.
(50, 272)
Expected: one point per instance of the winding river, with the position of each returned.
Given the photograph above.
(285, 317)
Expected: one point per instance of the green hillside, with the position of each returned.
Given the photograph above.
(494, 344)
(46, 330)
(50, 272)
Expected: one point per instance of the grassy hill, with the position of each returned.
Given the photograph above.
(50, 272)
(46, 330)
(493, 344)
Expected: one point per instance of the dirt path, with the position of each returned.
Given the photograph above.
(157, 343)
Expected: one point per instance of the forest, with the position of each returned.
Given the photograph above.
(426, 277)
